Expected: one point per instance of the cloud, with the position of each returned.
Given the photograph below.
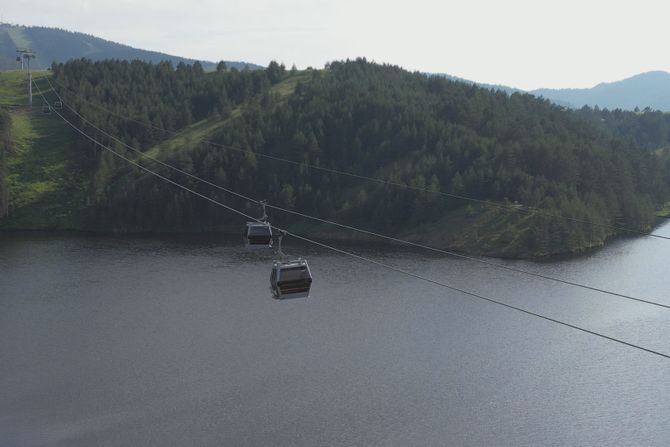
(517, 42)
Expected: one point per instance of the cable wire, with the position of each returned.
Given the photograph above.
(365, 259)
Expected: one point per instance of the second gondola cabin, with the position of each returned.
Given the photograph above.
(258, 235)
(291, 279)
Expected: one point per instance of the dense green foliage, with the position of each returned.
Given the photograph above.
(5, 147)
(365, 118)
(647, 129)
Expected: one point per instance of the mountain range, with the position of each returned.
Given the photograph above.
(651, 89)
(58, 45)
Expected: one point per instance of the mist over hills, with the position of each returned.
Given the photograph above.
(58, 45)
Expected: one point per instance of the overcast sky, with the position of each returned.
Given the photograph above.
(521, 43)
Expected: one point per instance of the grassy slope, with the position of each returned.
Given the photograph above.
(13, 86)
(46, 190)
(202, 130)
(18, 36)
(190, 136)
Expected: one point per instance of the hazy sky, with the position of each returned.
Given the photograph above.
(521, 43)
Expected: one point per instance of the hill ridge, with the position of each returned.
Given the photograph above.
(60, 45)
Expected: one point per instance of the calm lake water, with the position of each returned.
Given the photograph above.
(172, 341)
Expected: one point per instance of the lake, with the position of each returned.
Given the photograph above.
(176, 341)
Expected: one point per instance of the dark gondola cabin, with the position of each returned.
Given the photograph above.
(291, 279)
(258, 235)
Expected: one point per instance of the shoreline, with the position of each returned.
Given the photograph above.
(320, 232)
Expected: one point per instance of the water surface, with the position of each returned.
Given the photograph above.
(121, 341)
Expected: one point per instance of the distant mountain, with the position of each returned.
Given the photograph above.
(651, 89)
(53, 44)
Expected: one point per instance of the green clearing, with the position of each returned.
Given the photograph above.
(286, 88)
(18, 36)
(202, 130)
(14, 87)
(193, 134)
(46, 190)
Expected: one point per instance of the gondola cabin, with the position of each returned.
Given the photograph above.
(291, 279)
(258, 235)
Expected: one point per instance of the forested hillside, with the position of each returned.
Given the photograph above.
(369, 119)
(161, 95)
(5, 148)
(648, 129)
